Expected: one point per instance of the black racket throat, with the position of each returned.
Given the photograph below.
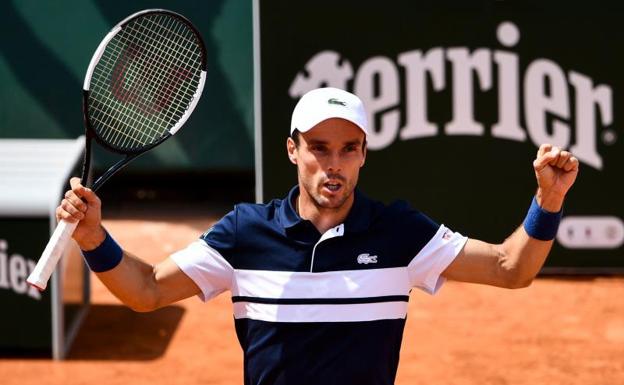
(88, 157)
(99, 182)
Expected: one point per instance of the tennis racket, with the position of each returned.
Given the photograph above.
(142, 84)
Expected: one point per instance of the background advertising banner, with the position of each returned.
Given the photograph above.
(459, 99)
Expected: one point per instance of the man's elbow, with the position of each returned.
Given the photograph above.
(142, 308)
(145, 304)
(519, 283)
(517, 279)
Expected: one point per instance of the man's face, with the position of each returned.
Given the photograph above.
(328, 159)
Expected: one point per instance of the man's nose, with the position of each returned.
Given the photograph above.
(334, 162)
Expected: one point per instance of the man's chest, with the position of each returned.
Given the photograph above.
(333, 251)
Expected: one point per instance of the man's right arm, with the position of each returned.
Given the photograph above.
(139, 285)
(144, 287)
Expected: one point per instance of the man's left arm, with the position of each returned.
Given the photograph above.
(515, 262)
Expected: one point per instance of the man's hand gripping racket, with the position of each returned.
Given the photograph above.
(142, 84)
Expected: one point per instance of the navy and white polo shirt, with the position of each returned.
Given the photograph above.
(313, 308)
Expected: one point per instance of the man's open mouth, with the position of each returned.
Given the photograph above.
(333, 187)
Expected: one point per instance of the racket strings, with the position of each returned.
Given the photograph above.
(141, 85)
(179, 60)
(144, 81)
(170, 63)
(139, 67)
(114, 122)
(168, 86)
(161, 85)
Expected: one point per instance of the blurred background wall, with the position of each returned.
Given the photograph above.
(46, 46)
(460, 95)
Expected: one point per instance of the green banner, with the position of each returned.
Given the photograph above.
(459, 99)
(46, 46)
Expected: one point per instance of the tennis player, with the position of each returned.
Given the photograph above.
(320, 279)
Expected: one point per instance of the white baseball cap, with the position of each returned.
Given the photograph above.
(321, 104)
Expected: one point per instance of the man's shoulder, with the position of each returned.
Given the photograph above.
(257, 211)
(392, 210)
(242, 217)
(399, 213)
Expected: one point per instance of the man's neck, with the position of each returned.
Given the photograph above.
(322, 218)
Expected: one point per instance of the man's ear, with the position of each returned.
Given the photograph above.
(291, 147)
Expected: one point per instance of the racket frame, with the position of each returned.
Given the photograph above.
(90, 133)
(54, 249)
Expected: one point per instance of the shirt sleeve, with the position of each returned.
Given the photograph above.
(425, 268)
(207, 261)
(206, 267)
(222, 236)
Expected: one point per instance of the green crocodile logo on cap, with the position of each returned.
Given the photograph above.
(336, 101)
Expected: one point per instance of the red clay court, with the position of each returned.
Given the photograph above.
(558, 331)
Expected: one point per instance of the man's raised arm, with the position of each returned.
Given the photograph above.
(137, 284)
(515, 262)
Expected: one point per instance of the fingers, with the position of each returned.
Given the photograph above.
(572, 164)
(564, 156)
(76, 188)
(555, 157)
(69, 212)
(73, 199)
(74, 182)
(81, 192)
(544, 148)
(545, 156)
(76, 202)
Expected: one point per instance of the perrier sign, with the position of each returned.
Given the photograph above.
(459, 99)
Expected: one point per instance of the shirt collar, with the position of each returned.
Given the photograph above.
(287, 214)
(357, 220)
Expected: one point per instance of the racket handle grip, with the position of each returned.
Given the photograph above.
(51, 255)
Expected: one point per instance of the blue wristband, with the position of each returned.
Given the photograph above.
(104, 257)
(541, 224)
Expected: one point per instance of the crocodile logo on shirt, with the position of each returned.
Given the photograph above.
(366, 259)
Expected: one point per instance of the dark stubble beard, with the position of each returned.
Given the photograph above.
(319, 200)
